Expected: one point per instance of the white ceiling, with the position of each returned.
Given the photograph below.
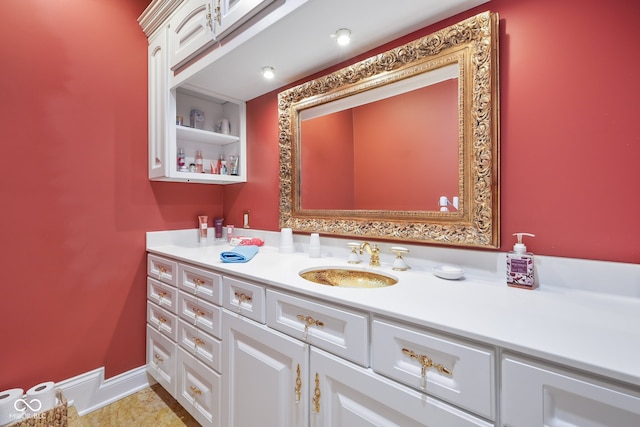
(301, 43)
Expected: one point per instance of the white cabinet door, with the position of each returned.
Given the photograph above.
(534, 395)
(265, 374)
(190, 31)
(232, 13)
(158, 69)
(347, 395)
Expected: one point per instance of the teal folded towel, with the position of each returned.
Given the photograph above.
(239, 254)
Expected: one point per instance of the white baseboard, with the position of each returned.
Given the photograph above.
(90, 391)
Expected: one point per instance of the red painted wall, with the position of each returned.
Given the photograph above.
(570, 144)
(76, 201)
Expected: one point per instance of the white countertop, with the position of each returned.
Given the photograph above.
(594, 332)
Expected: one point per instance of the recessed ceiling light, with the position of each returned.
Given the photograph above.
(343, 36)
(268, 72)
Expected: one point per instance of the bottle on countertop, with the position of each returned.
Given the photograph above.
(520, 265)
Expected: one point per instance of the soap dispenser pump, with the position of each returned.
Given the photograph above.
(520, 265)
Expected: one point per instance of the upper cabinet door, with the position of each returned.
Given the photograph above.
(191, 31)
(232, 13)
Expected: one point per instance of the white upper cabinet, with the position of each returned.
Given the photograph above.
(158, 69)
(230, 14)
(190, 31)
(198, 24)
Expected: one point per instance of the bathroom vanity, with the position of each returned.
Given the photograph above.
(256, 344)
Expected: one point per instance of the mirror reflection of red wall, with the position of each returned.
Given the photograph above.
(399, 153)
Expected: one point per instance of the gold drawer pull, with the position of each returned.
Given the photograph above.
(242, 297)
(161, 270)
(162, 294)
(162, 320)
(298, 388)
(158, 359)
(195, 391)
(308, 321)
(197, 341)
(198, 282)
(198, 312)
(426, 362)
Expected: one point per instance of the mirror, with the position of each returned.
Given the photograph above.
(381, 149)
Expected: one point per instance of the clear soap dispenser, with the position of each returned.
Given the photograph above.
(520, 265)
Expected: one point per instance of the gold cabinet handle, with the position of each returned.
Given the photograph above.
(158, 359)
(426, 362)
(198, 282)
(316, 395)
(161, 270)
(208, 17)
(242, 297)
(309, 321)
(197, 341)
(195, 391)
(298, 388)
(197, 311)
(218, 14)
(161, 295)
(161, 321)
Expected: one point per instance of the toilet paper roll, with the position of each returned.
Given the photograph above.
(8, 402)
(41, 397)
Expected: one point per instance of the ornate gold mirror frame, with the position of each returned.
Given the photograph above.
(473, 45)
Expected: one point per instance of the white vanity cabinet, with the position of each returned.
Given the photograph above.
(535, 394)
(346, 395)
(454, 370)
(162, 321)
(265, 375)
(184, 328)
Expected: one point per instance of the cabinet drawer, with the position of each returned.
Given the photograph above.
(244, 298)
(201, 314)
(162, 269)
(534, 394)
(198, 389)
(201, 283)
(203, 346)
(457, 371)
(161, 359)
(163, 321)
(162, 294)
(337, 330)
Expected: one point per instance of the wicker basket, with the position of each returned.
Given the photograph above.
(54, 417)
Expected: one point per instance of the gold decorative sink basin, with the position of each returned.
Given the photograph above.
(348, 278)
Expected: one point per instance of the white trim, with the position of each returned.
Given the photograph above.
(90, 391)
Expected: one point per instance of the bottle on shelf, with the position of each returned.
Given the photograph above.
(181, 161)
(220, 160)
(199, 165)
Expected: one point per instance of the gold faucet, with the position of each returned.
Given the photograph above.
(374, 251)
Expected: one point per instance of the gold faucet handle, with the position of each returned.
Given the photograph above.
(353, 255)
(399, 251)
(399, 264)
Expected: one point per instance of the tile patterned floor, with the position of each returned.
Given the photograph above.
(152, 407)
